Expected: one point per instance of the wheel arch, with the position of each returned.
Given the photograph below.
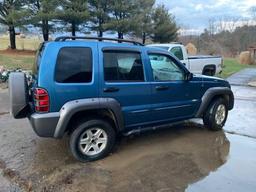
(213, 93)
(106, 108)
(211, 67)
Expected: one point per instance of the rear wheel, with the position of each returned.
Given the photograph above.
(216, 115)
(92, 140)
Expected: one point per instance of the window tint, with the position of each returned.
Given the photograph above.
(37, 61)
(123, 66)
(165, 69)
(74, 65)
(177, 51)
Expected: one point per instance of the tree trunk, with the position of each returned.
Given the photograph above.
(12, 37)
(120, 35)
(100, 34)
(144, 38)
(73, 28)
(45, 29)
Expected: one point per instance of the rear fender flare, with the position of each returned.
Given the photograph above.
(72, 107)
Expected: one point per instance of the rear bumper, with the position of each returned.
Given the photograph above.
(44, 124)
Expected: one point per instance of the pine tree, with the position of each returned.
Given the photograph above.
(143, 17)
(165, 28)
(74, 12)
(122, 13)
(99, 11)
(12, 14)
(43, 11)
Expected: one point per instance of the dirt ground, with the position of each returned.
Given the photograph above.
(17, 52)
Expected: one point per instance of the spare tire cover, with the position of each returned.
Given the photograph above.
(19, 97)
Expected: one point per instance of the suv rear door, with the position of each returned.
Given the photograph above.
(74, 74)
(124, 79)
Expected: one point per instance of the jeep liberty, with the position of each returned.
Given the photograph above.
(94, 89)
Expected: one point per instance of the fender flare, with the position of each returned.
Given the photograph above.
(210, 94)
(72, 107)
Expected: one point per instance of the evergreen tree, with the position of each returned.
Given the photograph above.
(99, 11)
(122, 13)
(143, 18)
(43, 11)
(165, 28)
(74, 12)
(12, 14)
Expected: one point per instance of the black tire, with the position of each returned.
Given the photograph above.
(19, 96)
(81, 128)
(209, 71)
(210, 119)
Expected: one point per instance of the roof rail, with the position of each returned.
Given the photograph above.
(64, 38)
(178, 43)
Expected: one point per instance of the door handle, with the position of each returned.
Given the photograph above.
(110, 89)
(162, 87)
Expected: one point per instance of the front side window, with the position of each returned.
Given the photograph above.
(177, 51)
(123, 66)
(74, 65)
(165, 69)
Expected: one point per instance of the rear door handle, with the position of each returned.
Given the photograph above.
(110, 89)
(162, 87)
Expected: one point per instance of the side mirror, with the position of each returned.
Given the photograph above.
(189, 76)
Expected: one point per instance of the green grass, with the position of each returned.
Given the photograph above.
(14, 61)
(232, 66)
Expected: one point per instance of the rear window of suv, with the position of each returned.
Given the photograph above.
(74, 65)
(37, 61)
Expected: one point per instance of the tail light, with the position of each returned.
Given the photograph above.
(42, 102)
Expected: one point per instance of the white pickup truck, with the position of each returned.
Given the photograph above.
(200, 64)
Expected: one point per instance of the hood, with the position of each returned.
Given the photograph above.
(212, 79)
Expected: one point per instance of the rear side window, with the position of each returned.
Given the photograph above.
(177, 51)
(123, 66)
(74, 65)
(37, 62)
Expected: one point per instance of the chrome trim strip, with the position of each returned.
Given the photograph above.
(172, 107)
(140, 111)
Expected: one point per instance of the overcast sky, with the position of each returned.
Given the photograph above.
(195, 14)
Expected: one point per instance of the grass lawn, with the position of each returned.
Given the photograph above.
(14, 61)
(29, 43)
(232, 66)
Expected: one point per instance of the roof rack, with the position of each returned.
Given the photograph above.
(64, 38)
(178, 43)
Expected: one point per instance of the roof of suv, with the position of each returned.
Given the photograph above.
(103, 44)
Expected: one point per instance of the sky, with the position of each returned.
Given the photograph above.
(195, 14)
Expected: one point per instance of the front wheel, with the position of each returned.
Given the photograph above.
(216, 115)
(92, 140)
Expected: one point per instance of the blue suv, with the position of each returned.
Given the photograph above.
(93, 90)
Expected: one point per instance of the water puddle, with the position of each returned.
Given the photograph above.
(237, 174)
